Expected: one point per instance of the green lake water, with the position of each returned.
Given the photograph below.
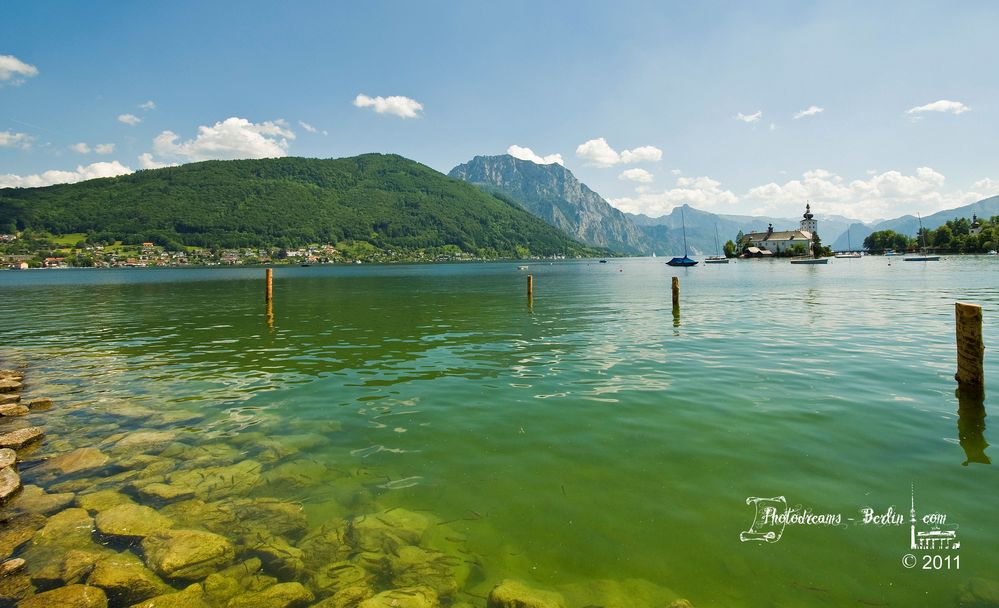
(589, 435)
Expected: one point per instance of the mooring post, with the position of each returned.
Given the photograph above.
(970, 346)
(530, 286)
(676, 292)
(269, 293)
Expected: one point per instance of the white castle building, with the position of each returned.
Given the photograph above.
(771, 241)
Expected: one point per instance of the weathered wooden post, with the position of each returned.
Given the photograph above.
(530, 286)
(970, 346)
(269, 292)
(676, 292)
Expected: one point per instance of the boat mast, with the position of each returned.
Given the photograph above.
(683, 222)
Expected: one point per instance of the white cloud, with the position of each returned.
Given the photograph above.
(10, 139)
(528, 154)
(129, 119)
(148, 105)
(307, 126)
(14, 71)
(55, 176)
(810, 111)
(886, 194)
(597, 152)
(404, 107)
(943, 105)
(749, 118)
(84, 148)
(146, 161)
(699, 192)
(636, 175)
(230, 139)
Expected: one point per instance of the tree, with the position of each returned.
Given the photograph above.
(816, 245)
(729, 249)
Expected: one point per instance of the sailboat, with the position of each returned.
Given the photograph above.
(850, 253)
(922, 247)
(684, 261)
(716, 259)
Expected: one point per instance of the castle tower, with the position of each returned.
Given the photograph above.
(809, 224)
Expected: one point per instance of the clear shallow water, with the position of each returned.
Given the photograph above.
(591, 435)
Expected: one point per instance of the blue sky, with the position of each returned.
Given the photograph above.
(652, 104)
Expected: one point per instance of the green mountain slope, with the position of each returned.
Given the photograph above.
(386, 200)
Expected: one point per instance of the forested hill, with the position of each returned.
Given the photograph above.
(386, 200)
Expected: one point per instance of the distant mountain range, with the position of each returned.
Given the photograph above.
(553, 193)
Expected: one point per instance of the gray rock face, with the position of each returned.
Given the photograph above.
(186, 554)
(553, 193)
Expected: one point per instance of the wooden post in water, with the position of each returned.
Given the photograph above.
(970, 346)
(269, 292)
(530, 286)
(676, 292)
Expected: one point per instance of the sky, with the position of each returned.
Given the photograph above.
(867, 110)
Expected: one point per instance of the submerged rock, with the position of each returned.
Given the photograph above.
(979, 592)
(348, 597)
(220, 589)
(8, 458)
(102, 500)
(162, 492)
(131, 521)
(417, 566)
(20, 438)
(326, 544)
(190, 597)
(9, 385)
(13, 409)
(336, 577)
(34, 499)
(515, 594)
(388, 530)
(11, 566)
(409, 597)
(186, 554)
(80, 459)
(68, 528)
(15, 588)
(281, 595)
(125, 580)
(78, 564)
(17, 530)
(218, 482)
(10, 483)
(145, 441)
(70, 596)
(40, 404)
(278, 556)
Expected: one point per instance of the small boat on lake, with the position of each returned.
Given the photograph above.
(521, 267)
(603, 261)
(992, 252)
(922, 249)
(716, 259)
(809, 260)
(684, 261)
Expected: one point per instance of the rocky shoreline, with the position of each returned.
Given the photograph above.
(151, 519)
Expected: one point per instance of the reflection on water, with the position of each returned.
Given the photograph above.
(589, 446)
(971, 424)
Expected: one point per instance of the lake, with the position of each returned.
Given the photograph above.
(588, 442)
